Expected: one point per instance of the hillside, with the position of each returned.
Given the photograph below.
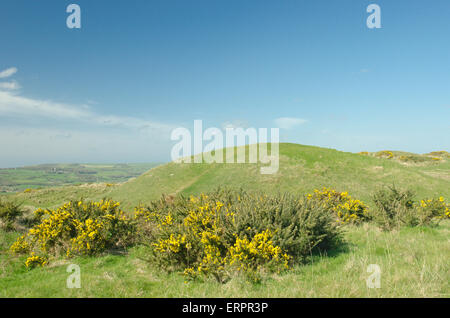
(414, 260)
(302, 169)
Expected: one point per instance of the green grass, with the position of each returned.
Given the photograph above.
(413, 261)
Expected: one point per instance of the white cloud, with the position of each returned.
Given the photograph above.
(13, 85)
(36, 130)
(11, 104)
(8, 72)
(289, 122)
(40, 131)
(19, 106)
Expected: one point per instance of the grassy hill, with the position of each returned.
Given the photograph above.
(414, 261)
(302, 169)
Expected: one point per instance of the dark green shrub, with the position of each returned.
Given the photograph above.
(226, 231)
(300, 226)
(9, 212)
(395, 208)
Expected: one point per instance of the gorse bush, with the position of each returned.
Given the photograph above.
(385, 154)
(189, 235)
(35, 260)
(225, 232)
(76, 228)
(345, 208)
(299, 225)
(249, 255)
(9, 212)
(395, 208)
(430, 209)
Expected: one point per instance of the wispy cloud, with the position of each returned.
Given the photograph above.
(289, 122)
(13, 104)
(54, 124)
(10, 85)
(13, 85)
(8, 72)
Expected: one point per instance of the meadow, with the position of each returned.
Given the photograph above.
(413, 257)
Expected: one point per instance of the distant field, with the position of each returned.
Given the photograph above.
(54, 175)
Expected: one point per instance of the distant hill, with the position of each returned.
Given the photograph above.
(53, 175)
(302, 169)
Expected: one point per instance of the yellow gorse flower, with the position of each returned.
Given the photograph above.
(20, 246)
(201, 232)
(347, 209)
(74, 228)
(247, 253)
(438, 207)
(35, 260)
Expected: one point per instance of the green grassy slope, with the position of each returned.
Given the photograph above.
(302, 169)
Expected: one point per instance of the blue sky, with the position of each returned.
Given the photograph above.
(114, 90)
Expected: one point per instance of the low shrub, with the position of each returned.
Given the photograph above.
(413, 159)
(250, 256)
(9, 212)
(385, 154)
(345, 208)
(77, 228)
(434, 208)
(395, 208)
(299, 225)
(35, 261)
(224, 232)
(441, 153)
